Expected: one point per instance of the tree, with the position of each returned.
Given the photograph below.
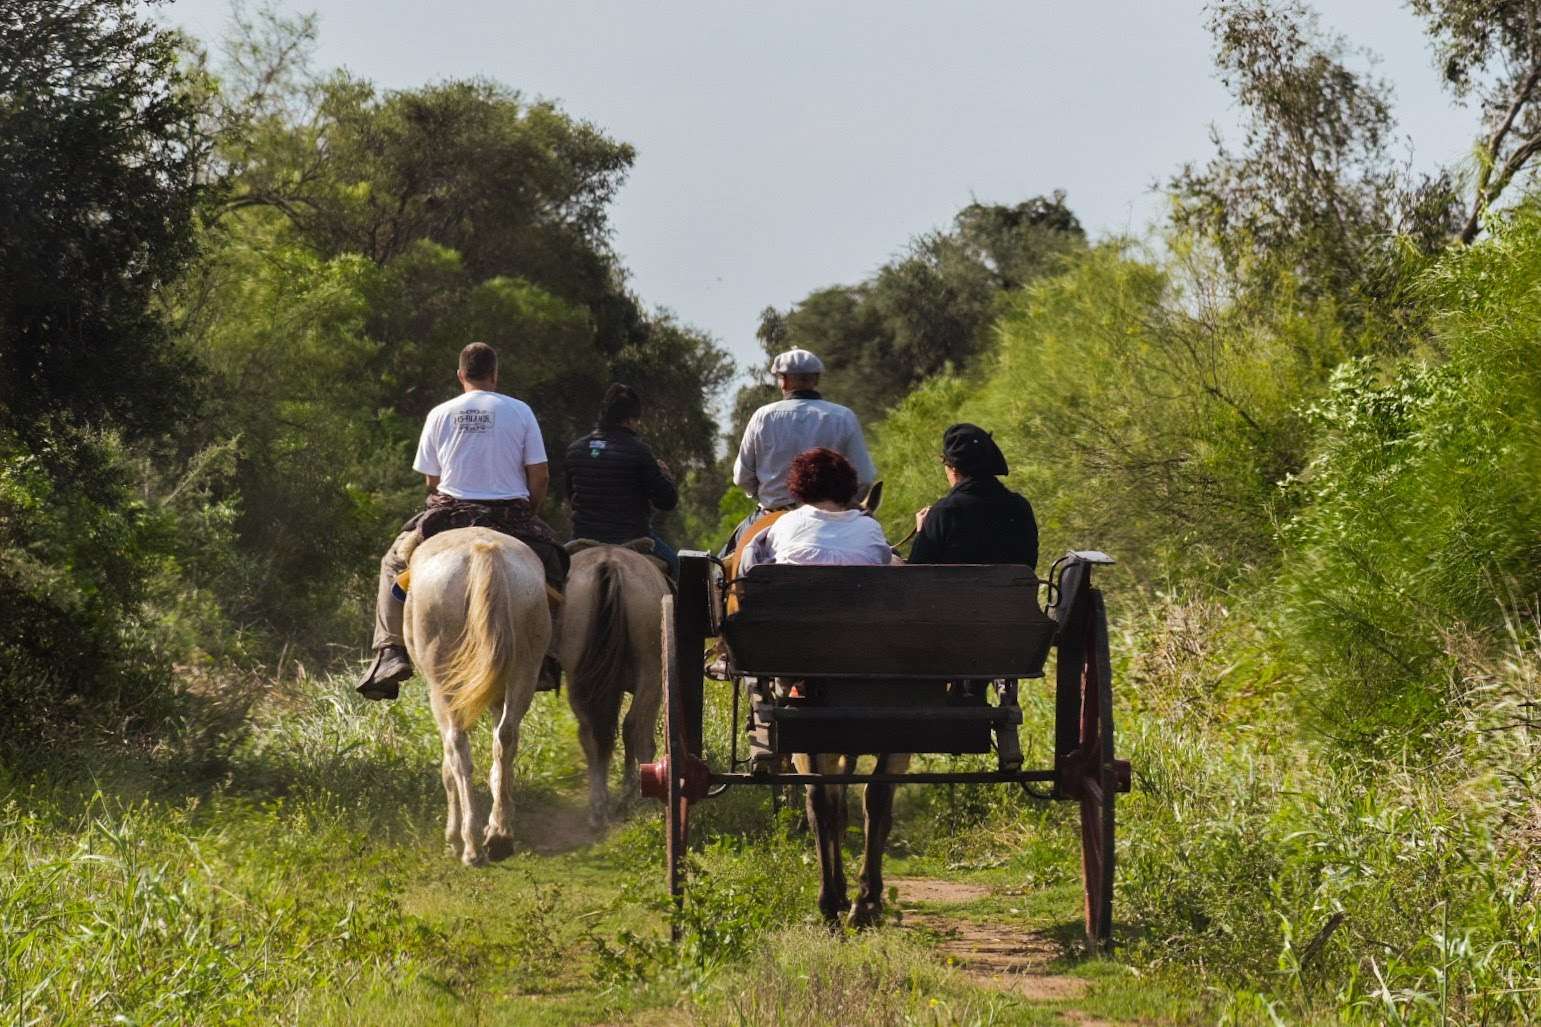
(1489, 51)
(517, 189)
(99, 149)
(926, 311)
(1311, 193)
(359, 239)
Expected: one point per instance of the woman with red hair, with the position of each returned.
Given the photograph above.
(824, 529)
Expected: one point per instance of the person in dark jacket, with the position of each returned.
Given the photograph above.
(980, 520)
(613, 481)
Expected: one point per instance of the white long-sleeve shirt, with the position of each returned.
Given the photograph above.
(809, 535)
(777, 432)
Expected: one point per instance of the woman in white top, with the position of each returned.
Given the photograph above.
(824, 530)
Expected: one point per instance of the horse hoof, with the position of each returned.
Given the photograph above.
(864, 915)
(499, 847)
(835, 918)
(474, 859)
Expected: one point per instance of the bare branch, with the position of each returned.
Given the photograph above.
(1486, 192)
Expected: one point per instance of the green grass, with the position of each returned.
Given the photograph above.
(300, 877)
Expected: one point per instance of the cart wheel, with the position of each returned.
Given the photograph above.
(677, 807)
(1099, 781)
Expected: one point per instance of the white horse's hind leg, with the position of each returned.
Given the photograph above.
(505, 746)
(454, 834)
(463, 812)
(458, 749)
(452, 799)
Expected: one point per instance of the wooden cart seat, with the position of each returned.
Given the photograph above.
(953, 730)
(932, 622)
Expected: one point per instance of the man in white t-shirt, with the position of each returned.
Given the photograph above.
(485, 463)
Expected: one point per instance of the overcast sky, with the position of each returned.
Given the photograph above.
(785, 145)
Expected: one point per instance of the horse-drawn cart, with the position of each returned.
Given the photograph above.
(923, 650)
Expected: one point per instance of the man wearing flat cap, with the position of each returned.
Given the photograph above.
(800, 421)
(980, 520)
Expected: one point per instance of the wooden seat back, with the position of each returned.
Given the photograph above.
(975, 621)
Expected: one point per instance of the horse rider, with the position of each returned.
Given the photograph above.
(777, 432)
(979, 520)
(613, 481)
(485, 464)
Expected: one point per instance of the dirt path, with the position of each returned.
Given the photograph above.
(992, 954)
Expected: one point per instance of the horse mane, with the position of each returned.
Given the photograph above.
(606, 663)
(474, 676)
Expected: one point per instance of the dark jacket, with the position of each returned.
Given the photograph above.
(979, 521)
(612, 479)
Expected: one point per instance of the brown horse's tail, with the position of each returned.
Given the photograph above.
(474, 676)
(602, 670)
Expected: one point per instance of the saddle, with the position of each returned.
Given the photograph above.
(515, 518)
(730, 565)
(636, 545)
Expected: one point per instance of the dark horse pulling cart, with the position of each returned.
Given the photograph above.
(901, 631)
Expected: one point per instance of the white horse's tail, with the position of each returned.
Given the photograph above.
(606, 664)
(474, 676)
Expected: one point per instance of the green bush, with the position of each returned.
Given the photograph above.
(1419, 513)
(1140, 415)
(77, 553)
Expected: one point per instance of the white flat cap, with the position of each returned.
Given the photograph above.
(796, 361)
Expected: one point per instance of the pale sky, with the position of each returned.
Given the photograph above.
(786, 145)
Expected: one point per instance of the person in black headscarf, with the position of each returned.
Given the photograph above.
(614, 482)
(980, 520)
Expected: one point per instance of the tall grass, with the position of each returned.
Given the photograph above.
(1327, 611)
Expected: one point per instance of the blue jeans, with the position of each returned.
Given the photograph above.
(665, 552)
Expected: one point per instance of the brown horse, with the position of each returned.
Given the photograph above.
(828, 807)
(609, 645)
(828, 812)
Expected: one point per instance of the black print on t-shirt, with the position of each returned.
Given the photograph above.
(474, 422)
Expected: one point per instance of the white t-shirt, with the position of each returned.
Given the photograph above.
(478, 444)
(809, 535)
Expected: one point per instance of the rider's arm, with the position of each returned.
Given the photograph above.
(433, 481)
(539, 478)
(1030, 543)
(744, 475)
(856, 452)
(928, 540)
(662, 491)
(537, 473)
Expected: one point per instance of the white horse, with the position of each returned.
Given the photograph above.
(477, 622)
(610, 644)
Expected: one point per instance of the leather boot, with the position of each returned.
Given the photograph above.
(383, 679)
(550, 679)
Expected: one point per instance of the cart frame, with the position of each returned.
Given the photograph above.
(923, 625)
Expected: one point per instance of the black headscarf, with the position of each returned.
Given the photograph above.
(971, 450)
(621, 404)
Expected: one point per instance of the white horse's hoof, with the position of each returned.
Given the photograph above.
(499, 846)
(474, 859)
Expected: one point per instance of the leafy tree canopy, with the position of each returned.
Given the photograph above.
(928, 310)
(99, 153)
(1312, 192)
(1489, 52)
